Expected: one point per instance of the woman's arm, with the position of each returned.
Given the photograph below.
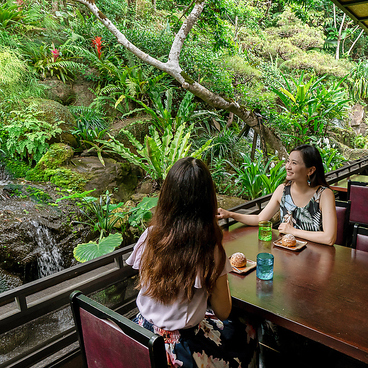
(220, 298)
(266, 214)
(329, 222)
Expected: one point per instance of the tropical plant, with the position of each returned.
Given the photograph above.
(275, 177)
(163, 113)
(10, 14)
(141, 214)
(87, 251)
(157, 154)
(358, 79)
(27, 135)
(102, 216)
(224, 140)
(221, 177)
(98, 212)
(311, 106)
(332, 159)
(90, 127)
(253, 179)
(47, 60)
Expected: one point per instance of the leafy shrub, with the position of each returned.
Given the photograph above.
(27, 135)
(321, 63)
(223, 142)
(254, 178)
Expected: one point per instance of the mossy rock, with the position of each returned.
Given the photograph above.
(53, 113)
(57, 155)
(27, 191)
(341, 135)
(61, 177)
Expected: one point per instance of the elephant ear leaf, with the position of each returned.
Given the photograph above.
(88, 251)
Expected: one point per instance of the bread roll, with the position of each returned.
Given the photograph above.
(288, 240)
(238, 260)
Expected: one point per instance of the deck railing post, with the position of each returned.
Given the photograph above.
(21, 302)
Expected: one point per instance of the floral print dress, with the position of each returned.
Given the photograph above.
(308, 217)
(211, 344)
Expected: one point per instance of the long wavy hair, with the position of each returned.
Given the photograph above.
(312, 157)
(183, 236)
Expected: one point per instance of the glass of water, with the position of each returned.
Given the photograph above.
(265, 266)
(265, 230)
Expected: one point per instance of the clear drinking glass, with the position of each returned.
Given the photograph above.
(265, 230)
(265, 266)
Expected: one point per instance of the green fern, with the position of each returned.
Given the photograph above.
(157, 155)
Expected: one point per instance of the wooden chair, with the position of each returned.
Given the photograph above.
(360, 238)
(109, 340)
(358, 196)
(343, 214)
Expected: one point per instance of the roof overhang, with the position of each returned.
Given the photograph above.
(356, 10)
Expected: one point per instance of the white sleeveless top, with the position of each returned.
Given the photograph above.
(180, 314)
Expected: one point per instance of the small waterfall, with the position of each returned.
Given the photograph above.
(4, 176)
(49, 258)
(4, 180)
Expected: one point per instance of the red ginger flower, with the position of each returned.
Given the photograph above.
(97, 42)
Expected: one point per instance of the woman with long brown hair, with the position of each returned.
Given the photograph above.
(183, 271)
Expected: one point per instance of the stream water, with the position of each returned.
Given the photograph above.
(49, 259)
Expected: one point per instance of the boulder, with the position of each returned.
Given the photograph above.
(356, 119)
(119, 178)
(82, 92)
(59, 91)
(57, 155)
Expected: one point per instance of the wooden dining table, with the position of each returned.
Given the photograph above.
(320, 292)
(342, 185)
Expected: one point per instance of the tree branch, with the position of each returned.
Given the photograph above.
(183, 33)
(356, 40)
(173, 68)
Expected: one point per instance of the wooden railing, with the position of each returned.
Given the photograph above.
(29, 302)
(36, 299)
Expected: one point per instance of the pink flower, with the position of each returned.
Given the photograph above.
(55, 54)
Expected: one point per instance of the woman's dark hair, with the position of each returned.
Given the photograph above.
(184, 234)
(312, 157)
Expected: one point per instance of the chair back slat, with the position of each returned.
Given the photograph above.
(342, 214)
(362, 242)
(109, 340)
(358, 195)
(106, 345)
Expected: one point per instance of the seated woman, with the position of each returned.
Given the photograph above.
(183, 271)
(307, 205)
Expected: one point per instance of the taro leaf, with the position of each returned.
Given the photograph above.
(143, 211)
(88, 251)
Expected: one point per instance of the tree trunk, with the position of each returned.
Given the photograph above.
(254, 145)
(337, 56)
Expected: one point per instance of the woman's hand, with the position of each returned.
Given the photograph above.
(286, 228)
(222, 214)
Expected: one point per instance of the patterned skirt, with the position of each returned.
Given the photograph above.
(211, 344)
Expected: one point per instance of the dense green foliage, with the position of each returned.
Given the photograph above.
(278, 59)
